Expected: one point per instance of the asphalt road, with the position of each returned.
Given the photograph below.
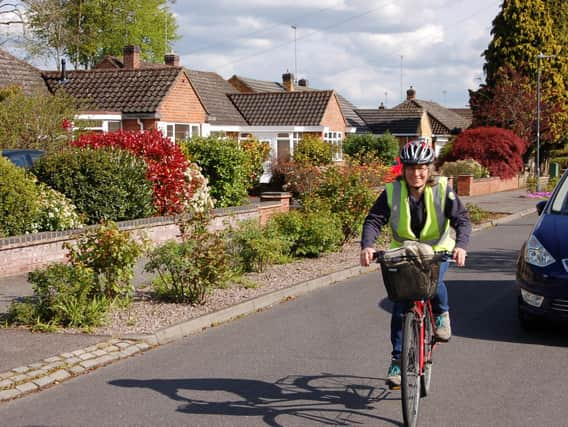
(321, 360)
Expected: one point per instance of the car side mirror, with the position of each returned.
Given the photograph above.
(540, 206)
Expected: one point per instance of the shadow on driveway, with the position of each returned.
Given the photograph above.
(327, 399)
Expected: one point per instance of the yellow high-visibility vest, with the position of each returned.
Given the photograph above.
(436, 231)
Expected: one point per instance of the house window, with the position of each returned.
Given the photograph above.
(114, 125)
(296, 137)
(181, 131)
(335, 140)
(283, 147)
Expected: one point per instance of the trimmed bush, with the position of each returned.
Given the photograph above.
(18, 200)
(313, 150)
(226, 166)
(104, 184)
(368, 147)
(174, 180)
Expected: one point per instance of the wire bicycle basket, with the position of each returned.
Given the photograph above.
(410, 277)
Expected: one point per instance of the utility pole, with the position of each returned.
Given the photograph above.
(295, 56)
(401, 85)
(538, 58)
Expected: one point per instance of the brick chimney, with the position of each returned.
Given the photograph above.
(303, 83)
(410, 94)
(171, 59)
(288, 82)
(131, 57)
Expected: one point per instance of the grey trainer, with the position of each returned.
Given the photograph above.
(443, 327)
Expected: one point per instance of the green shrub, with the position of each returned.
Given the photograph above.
(313, 150)
(226, 166)
(368, 147)
(111, 254)
(254, 248)
(64, 295)
(18, 200)
(321, 233)
(464, 167)
(307, 234)
(187, 271)
(347, 193)
(104, 184)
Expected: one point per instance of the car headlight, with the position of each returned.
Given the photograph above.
(536, 253)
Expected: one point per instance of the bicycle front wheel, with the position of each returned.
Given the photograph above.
(410, 369)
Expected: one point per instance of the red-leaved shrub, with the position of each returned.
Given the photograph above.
(499, 150)
(166, 164)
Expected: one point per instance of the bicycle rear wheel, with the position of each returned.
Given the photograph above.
(429, 341)
(410, 369)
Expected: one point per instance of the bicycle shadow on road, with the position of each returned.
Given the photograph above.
(326, 399)
(483, 302)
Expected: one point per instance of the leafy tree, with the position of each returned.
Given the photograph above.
(521, 31)
(499, 150)
(34, 121)
(86, 30)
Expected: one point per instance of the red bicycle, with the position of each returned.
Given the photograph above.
(413, 278)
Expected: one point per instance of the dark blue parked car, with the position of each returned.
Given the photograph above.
(542, 267)
(23, 158)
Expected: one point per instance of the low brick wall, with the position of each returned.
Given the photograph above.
(20, 254)
(467, 186)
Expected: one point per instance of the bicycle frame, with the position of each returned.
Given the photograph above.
(420, 308)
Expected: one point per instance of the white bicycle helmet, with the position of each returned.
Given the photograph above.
(416, 153)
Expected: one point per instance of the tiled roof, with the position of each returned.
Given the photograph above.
(124, 90)
(283, 108)
(442, 119)
(262, 86)
(15, 72)
(466, 113)
(348, 110)
(379, 121)
(212, 89)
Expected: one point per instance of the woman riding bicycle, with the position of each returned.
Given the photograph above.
(418, 207)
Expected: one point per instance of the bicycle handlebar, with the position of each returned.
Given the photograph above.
(442, 256)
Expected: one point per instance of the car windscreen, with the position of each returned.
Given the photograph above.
(559, 204)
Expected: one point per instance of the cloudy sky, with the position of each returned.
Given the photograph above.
(364, 49)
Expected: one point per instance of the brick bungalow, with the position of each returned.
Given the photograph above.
(416, 118)
(133, 96)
